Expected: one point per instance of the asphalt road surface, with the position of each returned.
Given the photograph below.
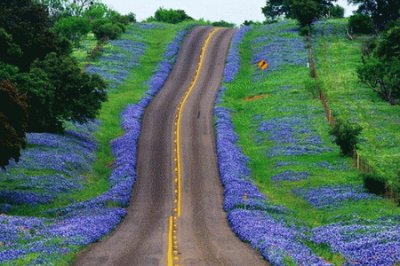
(202, 233)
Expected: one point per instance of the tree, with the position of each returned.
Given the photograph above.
(336, 11)
(72, 28)
(171, 16)
(346, 136)
(361, 23)
(13, 117)
(277, 8)
(381, 69)
(305, 11)
(9, 50)
(223, 23)
(381, 12)
(58, 90)
(106, 30)
(30, 27)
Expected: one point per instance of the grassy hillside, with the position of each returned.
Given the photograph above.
(283, 131)
(337, 61)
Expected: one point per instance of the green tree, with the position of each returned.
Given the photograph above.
(346, 136)
(381, 69)
(361, 24)
(336, 11)
(105, 29)
(30, 28)
(305, 11)
(381, 12)
(277, 8)
(223, 23)
(9, 50)
(58, 90)
(13, 117)
(72, 28)
(171, 16)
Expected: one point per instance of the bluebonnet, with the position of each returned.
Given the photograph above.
(333, 196)
(118, 58)
(280, 46)
(363, 242)
(290, 176)
(292, 135)
(273, 239)
(233, 59)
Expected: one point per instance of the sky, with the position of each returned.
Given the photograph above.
(235, 11)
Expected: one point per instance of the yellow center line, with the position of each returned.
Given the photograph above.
(180, 110)
(173, 258)
(170, 236)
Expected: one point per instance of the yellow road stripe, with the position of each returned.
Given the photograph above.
(179, 121)
(172, 255)
(170, 251)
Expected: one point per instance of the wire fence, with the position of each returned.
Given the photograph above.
(359, 161)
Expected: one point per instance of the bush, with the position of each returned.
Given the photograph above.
(72, 28)
(383, 77)
(13, 118)
(108, 30)
(223, 23)
(374, 184)
(381, 69)
(346, 136)
(336, 11)
(171, 16)
(361, 24)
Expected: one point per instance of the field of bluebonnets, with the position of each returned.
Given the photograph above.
(70, 190)
(288, 192)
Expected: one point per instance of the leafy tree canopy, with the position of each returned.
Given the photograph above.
(13, 118)
(27, 28)
(382, 12)
(171, 16)
(305, 11)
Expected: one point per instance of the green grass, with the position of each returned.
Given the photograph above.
(277, 103)
(337, 61)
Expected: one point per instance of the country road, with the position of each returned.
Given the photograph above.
(176, 215)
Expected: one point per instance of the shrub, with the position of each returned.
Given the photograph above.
(13, 118)
(105, 29)
(361, 24)
(72, 28)
(223, 23)
(346, 136)
(374, 184)
(171, 16)
(383, 77)
(336, 11)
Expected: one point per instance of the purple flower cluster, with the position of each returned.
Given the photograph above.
(292, 136)
(333, 196)
(117, 60)
(69, 156)
(238, 189)
(273, 239)
(369, 243)
(232, 66)
(290, 176)
(279, 50)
